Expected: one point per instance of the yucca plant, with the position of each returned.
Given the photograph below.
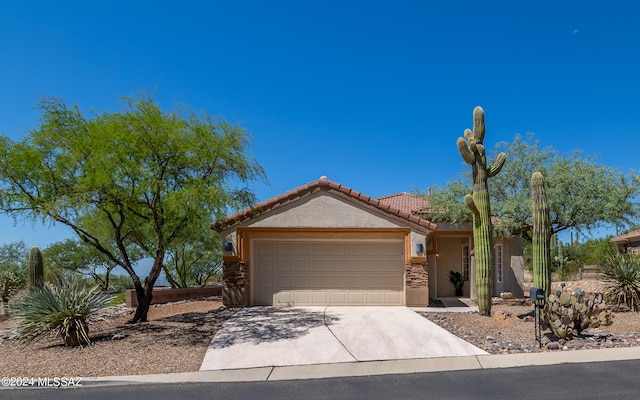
(622, 275)
(57, 311)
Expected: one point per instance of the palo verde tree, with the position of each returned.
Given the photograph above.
(78, 257)
(143, 175)
(194, 258)
(582, 193)
(472, 150)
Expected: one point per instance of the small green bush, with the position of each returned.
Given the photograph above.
(57, 311)
(622, 274)
(118, 298)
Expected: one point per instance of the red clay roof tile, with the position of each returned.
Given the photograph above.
(635, 234)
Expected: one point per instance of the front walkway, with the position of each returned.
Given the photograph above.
(451, 304)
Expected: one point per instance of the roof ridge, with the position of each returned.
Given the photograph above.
(321, 184)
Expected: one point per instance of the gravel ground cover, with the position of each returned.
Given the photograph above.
(177, 336)
(174, 340)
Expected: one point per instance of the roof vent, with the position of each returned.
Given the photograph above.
(324, 178)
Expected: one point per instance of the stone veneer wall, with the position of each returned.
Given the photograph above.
(416, 275)
(235, 291)
(416, 284)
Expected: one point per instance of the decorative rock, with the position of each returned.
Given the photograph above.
(553, 346)
(119, 336)
(490, 339)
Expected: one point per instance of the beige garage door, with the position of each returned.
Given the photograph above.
(328, 273)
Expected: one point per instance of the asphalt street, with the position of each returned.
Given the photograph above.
(615, 379)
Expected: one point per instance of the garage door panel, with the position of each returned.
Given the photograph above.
(301, 281)
(300, 248)
(391, 297)
(264, 248)
(320, 266)
(357, 298)
(283, 281)
(338, 298)
(328, 273)
(301, 265)
(282, 266)
(320, 297)
(282, 248)
(283, 298)
(374, 297)
(302, 297)
(320, 282)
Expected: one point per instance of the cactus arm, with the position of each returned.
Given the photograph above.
(465, 151)
(497, 165)
(471, 205)
(468, 134)
(478, 124)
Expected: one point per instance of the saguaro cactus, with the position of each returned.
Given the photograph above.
(541, 234)
(472, 150)
(36, 270)
(560, 258)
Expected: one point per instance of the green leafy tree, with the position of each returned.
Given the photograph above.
(596, 249)
(13, 271)
(583, 194)
(81, 258)
(193, 259)
(142, 175)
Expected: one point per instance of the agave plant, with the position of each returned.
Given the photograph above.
(622, 274)
(57, 311)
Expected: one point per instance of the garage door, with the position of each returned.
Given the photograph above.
(328, 273)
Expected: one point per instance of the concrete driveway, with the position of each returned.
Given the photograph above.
(270, 336)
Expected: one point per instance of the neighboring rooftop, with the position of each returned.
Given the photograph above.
(627, 237)
(407, 202)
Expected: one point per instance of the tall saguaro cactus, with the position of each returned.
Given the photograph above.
(36, 270)
(472, 150)
(541, 245)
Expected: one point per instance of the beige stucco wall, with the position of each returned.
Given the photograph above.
(327, 210)
(449, 249)
(322, 210)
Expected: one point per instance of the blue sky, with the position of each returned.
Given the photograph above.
(372, 94)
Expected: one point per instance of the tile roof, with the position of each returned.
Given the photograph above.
(321, 184)
(627, 236)
(407, 202)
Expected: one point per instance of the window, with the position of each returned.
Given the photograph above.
(499, 262)
(465, 262)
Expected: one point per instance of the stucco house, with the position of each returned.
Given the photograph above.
(628, 243)
(326, 244)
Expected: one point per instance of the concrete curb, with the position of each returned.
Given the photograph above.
(351, 369)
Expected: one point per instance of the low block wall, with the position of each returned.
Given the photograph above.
(166, 295)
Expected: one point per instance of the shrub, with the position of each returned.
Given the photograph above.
(57, 311)
(622, 274)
